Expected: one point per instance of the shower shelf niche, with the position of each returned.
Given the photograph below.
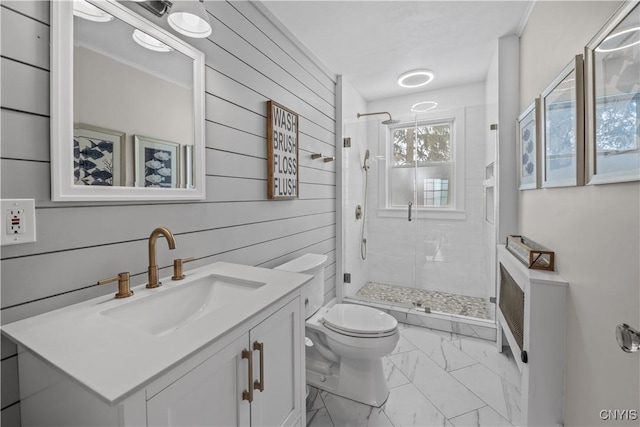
(490, 179)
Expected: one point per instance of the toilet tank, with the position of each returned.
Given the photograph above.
(313, 291)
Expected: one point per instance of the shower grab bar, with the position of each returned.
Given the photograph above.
(410, 205)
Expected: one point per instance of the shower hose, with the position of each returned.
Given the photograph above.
(363, 241)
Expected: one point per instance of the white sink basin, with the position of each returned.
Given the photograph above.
(169, 309)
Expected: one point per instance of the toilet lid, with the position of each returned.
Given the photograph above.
(359, 319)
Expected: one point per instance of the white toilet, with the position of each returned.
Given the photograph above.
(345, 342)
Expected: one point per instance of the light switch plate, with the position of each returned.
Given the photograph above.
(18, 221)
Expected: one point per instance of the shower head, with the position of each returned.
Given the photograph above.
(386, 122)
(365, 166)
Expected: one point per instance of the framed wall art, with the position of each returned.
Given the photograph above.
(97, 156)
(562, 128)
(527, 147)
(282, 152)
(612, 66)
(156, 163)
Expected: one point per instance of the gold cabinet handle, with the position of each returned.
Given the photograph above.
(248, 393)
(177, 267)
(259, 385)
(123, 284)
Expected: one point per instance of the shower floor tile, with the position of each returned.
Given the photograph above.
(441, 302)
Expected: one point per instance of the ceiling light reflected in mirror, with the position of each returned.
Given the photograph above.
(86, 10)
(148, 42)
(620, 40)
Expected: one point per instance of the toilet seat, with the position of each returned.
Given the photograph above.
(359, 321)
(357, 335)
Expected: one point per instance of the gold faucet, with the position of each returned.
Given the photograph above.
(153, 268)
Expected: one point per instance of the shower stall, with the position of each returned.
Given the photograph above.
(420, 242)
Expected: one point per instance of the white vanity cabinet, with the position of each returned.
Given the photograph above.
(216, 392)
(206, 389)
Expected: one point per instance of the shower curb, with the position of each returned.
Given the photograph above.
(461, 325)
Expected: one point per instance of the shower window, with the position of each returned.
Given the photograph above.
(421, 167)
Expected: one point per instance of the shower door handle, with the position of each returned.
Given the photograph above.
(410, 206)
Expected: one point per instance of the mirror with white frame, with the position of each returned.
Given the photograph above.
(127, 107)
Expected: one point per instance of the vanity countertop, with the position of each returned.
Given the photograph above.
(114, 360)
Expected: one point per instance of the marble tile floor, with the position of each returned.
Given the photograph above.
(435, 301)
(436, 379)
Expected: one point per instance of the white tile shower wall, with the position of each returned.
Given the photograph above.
(248, 61)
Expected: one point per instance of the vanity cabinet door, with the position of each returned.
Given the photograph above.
(209, 395)
(280, 402)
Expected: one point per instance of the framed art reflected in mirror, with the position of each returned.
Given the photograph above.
(157, 163)
(97, 156)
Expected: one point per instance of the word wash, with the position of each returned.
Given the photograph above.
(282, 152)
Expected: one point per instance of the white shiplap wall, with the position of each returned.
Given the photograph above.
(248, 61)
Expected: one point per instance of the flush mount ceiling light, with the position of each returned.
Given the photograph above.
(415, 78)
(86, 10)
(149, 42)
(612, 42)
(424, 106)
(188, 17)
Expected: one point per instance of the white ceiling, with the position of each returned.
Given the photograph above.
(372, 42)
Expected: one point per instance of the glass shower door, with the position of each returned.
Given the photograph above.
(392, 224)
(421, 252)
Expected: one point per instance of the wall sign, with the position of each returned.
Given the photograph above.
(282, 152)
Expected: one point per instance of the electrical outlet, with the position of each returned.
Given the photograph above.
(19, 221)
(15, 221)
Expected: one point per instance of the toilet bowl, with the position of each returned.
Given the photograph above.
(345, 342)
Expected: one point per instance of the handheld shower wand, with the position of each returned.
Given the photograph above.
(363, 241)
(365, 165)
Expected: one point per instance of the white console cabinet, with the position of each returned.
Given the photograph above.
(540, 351)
